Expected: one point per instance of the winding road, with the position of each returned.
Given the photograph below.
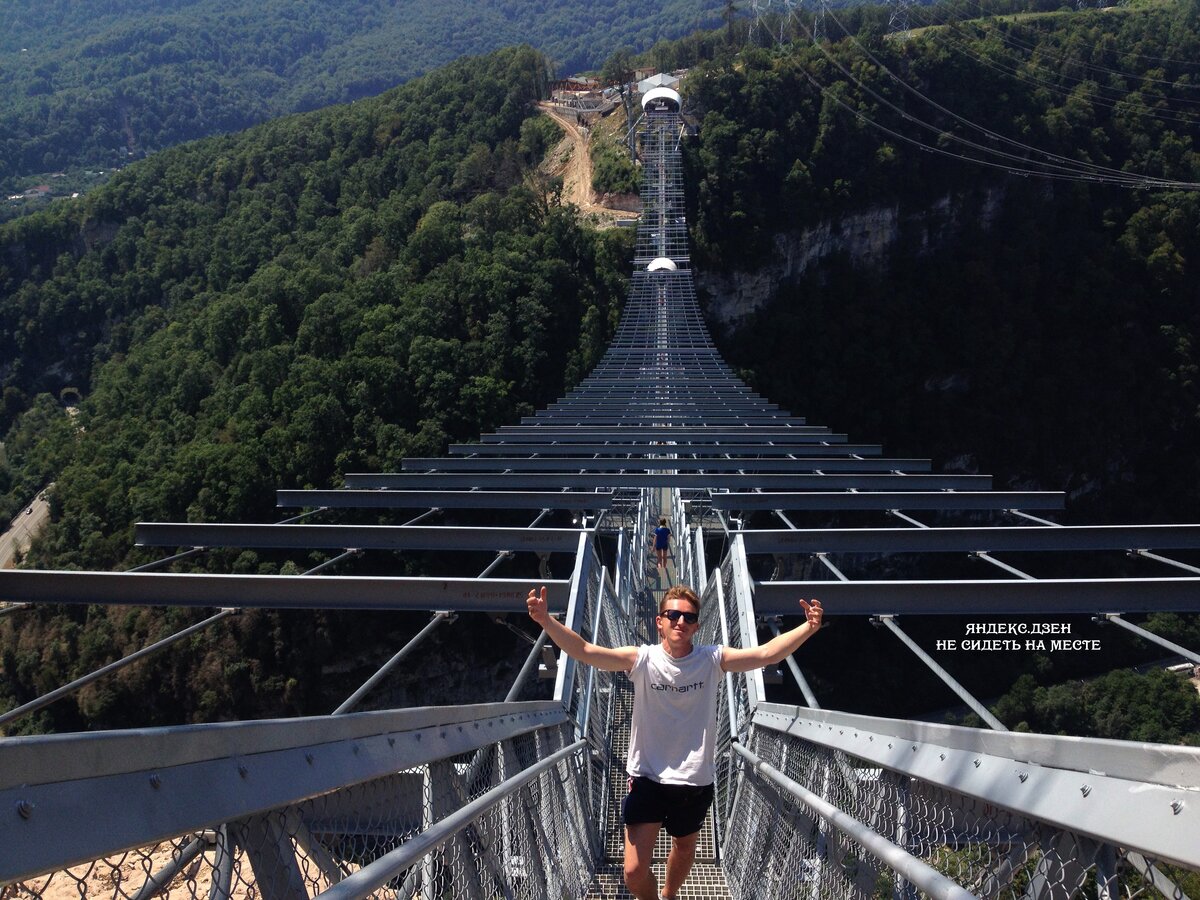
(23, 529)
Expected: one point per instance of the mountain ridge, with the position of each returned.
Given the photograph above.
(108, 81)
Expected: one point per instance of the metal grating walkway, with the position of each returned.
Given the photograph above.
(707, 879)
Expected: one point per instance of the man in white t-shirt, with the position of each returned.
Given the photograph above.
(672, 737)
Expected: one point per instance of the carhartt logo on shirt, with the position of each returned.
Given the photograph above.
(694, 686)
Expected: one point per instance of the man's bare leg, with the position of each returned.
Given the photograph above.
(679, 863)
(639, 855)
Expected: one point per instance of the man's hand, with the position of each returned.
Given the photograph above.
(610, 659)
(536, 604)
(738, 659)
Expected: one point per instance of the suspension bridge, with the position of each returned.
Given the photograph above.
(520, 798)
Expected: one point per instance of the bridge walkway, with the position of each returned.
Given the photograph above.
(707, 880)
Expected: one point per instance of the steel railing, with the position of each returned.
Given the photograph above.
(852, 806)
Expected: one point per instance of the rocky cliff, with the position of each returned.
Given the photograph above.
(867, 238)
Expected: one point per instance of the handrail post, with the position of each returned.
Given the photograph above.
(698, 539)
(564, 682)
(744, 592)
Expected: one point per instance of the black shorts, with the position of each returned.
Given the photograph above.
(680, 807)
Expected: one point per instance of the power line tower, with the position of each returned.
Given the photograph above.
(772, 19)
(761, 25)
(898, 17)
(817, 30)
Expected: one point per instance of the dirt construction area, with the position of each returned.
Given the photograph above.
(572, 162)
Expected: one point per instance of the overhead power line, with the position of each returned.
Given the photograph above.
(1018, 158)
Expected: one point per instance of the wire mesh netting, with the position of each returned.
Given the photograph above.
(778, 846)
(537, 841)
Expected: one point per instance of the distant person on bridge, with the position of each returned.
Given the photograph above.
(662, 540)
(672, 736)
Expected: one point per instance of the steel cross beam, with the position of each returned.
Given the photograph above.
(1090, 596)
(803, 434)
(648, 418)
(709, 400)
(930, 540)
(362, 537)
(694, 448)
(274, 591)
(885, 500)
(677, 463)
(347, 499)
(715, 481)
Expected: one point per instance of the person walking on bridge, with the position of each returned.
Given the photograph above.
(662, 542)
(672, 736)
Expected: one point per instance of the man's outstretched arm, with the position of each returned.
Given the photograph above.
(610, 659)
(737, 659)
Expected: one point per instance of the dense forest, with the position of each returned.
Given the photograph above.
(97, 83)
(335, 290)
(331, 291)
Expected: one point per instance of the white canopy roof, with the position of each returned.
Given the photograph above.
(654, 81)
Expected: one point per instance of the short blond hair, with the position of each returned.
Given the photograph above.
(680, 592)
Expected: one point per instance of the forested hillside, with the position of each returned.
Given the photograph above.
(95, 83)
(331, 291)
(336, 290)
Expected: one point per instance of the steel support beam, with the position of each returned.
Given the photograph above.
(1084, 596)
(362, 537)
(967, 540)
(444, 499)
(716, 481)
(349, 704)
(809, 697)
(1154, 638)
(693, 448)
(84, 680)
(886, 500)
(274, 591)
(949, 680)
(680, 461)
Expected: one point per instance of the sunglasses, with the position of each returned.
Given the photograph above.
(676, 614)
